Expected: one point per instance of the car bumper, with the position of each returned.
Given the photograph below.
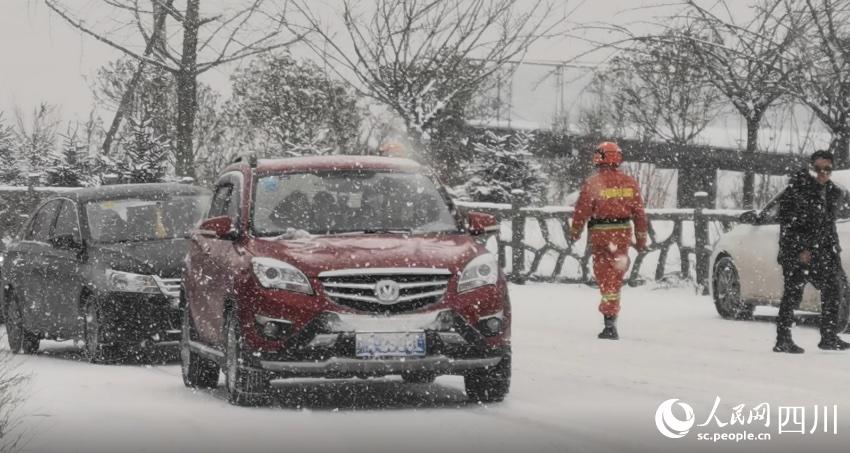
(141, 318)
(336, 366)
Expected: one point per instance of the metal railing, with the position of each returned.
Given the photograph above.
(523, 252)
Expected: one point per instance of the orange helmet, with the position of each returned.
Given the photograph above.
(608, 153)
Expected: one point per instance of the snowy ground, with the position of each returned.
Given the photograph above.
(571, 392)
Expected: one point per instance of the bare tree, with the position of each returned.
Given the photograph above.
(661, 91)
(823, 80)
(665, 96)
(748, 62)
(238, 30)
(418, 56)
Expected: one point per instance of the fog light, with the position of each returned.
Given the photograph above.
(490, 326)
(273, 328)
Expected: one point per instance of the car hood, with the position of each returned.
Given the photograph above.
(163, 258)
(323, 253)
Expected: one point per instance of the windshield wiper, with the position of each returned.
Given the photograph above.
(375, 231)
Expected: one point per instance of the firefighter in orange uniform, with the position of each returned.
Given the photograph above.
(609, 203)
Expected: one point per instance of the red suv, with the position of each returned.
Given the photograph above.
(339, 267)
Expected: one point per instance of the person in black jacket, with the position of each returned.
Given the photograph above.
(809, 250)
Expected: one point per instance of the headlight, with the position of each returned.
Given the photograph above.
(481, 271)
(276, 274)
(127, 282)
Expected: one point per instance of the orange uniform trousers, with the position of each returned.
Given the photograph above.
(610, 248)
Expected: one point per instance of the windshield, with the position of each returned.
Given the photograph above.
(135, 219)
(349, 201)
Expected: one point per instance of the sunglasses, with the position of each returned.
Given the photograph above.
(825, 170)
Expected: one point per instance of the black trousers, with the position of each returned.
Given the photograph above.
(829, 279)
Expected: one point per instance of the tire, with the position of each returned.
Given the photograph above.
(245, 387)
(94, 330)
(727, 291)
(419, 377)
(490, 384)
(198, 372)
(21, 341)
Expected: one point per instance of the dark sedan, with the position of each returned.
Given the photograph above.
(101, 265)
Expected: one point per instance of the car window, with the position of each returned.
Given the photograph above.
(149, 219)
(222, 201)
(338, 201)
(67, 222)
(843, 208)
(769, 214)
(42, 222)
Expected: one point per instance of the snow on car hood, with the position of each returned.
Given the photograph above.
(322, 253)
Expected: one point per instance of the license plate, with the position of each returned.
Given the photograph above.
(390, 344)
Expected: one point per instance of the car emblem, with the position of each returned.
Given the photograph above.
(387, 291)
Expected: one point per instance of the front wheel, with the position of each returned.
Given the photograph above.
(489, 384)
(21, 341)
(727, 291)
(94, 331)
(198, 372)
(245, 387)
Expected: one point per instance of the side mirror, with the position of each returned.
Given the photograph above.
(65, 242)
(217, 227)
(480, 223)
(749, 217)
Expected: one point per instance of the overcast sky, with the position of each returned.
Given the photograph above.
(46, 60)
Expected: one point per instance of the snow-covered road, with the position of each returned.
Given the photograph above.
(570, 392)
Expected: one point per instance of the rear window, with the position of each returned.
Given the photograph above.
(136, 219)
(350, 201)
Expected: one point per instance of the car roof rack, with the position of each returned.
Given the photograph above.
(249, 158)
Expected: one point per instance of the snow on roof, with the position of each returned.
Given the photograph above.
(337, 162)
(37, 189)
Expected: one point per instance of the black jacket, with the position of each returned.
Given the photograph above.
(807, 215)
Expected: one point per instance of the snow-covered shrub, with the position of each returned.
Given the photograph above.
(146, 155)
(70, 166)
(502, 164)
(284, 107)
(35, 138)
(9, 168)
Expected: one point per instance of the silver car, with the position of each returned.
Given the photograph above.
(744, 271)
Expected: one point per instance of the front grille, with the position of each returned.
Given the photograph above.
(170, 287)
(357, 289)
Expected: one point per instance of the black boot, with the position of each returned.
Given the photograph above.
(833, 343)
(610, 330)
(784, 343)
(829, 339)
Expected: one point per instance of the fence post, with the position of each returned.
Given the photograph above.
(33, 180)
(701, 252)
(517, 237)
